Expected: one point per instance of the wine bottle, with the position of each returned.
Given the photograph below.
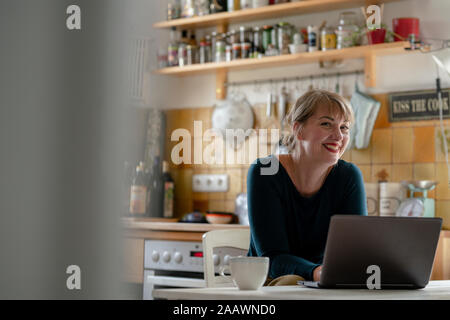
(169, 189)
(138, 192)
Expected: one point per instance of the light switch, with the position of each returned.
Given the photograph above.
(210, 183)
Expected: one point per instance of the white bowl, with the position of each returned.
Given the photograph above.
(297, 48)
(218, 218)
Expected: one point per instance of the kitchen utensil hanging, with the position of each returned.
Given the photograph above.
(233, 115)
(365, 110)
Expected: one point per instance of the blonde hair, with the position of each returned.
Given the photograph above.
(307, 105)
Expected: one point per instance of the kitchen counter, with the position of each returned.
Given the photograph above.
(169, 229)
(137, 230)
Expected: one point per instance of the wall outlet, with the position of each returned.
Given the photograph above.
(210, 183)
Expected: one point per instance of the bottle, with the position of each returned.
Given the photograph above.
(346, 29)
(138, 192)
(169, 191)
(172, 52)
(155, 208)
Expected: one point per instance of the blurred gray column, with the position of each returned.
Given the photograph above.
(62, 134)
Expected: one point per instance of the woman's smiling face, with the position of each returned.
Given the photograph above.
(325, 135)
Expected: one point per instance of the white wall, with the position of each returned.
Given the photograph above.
(411, 71)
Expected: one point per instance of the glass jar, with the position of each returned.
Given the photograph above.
(284, 37)
(260, 3)
(220, 51)
(274, 36)
(245, 34)
(233, 5)
(204, 52)
(257, 43)
(187, 8)
(233, 37)
(191, 54)
(266, 37)
(246, 4)
(173, 9)
(202, 7)
(228, 51)
(213, 46)
(182, 54)
(346, 29)
(245, 50)
(236, 48)
(327, 39)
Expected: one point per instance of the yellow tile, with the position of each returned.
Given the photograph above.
(424, 171)
(382, 120)
(402, 145)
(443, 211)
(234, 183)
(200, 196)
(229, 206)
(381, 146)
(217, 205)
(366, 170)
(381, 170)
(361, 156)
(184, 118)
(424, 144)
(402, 172)
(442, 189)
(347, 156)
(439, 144)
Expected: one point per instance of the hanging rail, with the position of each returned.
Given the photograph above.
(288, 79)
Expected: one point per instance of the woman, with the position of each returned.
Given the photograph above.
(290, 211)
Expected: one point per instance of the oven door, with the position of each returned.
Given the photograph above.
(157, 279)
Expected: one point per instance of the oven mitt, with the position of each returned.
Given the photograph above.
(366, 110)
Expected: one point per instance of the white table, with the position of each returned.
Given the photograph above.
(436, 290)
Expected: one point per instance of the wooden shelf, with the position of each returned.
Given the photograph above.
(267, 12)
(369, 53)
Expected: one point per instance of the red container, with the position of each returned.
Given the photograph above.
(404, 27)
(376, 36)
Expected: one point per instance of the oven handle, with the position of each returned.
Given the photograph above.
(176, 281)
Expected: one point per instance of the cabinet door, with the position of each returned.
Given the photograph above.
(133, 260)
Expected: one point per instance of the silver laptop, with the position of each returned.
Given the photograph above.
(385, 252)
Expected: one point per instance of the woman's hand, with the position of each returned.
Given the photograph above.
(316, 273)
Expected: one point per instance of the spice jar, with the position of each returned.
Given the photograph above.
(204, 52)
(220, 51)
(266, 37)
(284, 37)
(327, 39)
(345, 30)
(236, 51)
(257, 49)
(245, 34)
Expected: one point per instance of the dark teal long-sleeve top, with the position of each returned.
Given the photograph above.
(291, 229)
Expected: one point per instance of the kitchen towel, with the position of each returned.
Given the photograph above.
(365, 110)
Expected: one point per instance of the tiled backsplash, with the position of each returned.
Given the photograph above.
(403, 150)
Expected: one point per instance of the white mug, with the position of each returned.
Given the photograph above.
(247, 273)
